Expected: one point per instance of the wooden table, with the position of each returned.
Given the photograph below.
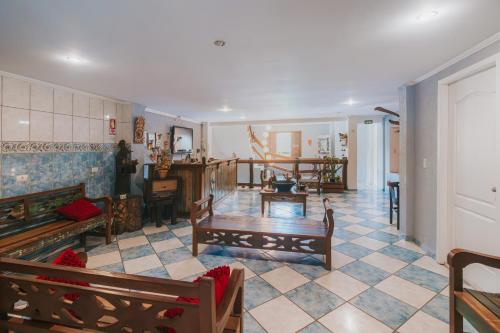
(292, 196)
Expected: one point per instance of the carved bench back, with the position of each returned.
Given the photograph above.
(27, 211)
(113, 303)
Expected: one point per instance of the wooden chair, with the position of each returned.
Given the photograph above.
(310, 178)
(265, 177)
(394, 201)
(481, 309)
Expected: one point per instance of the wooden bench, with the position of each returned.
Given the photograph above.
(481, 309)
(30, 223)
(114, 302)
(292, 235)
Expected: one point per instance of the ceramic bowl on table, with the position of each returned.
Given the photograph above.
(283, 185)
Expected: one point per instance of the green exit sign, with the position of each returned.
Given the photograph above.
(368, 122)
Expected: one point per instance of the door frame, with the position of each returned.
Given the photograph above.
(444, 227)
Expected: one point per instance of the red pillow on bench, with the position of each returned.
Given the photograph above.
(67, 258)
(79, 210)
(220, 275)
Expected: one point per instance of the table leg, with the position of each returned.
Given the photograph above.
(305, 207)
(263, 203)
(173, 220)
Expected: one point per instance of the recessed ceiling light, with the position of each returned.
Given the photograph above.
(350, 101)
(225, 109)
(427, 15)
(73, 59)
(219, 43)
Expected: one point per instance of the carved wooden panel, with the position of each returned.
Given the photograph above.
(290, 243)
(104, 310)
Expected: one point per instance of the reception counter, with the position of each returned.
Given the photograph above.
(198, 180)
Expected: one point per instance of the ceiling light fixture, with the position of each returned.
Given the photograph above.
(225, 109)
(219, 43)
(350, 102)
(427, 15)
(73, 59)
(243, 117)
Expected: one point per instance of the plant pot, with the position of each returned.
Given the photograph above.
(162, 172)
(332, 187)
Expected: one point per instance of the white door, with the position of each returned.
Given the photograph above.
(475, 169)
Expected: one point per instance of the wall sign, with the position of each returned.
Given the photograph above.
(112, 126)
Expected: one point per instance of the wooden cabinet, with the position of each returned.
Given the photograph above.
(202, 179)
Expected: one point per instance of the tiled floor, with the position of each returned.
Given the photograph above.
(379, 283)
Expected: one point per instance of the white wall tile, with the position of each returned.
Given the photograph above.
(63, 128)
(96, 108)
(124, 132)
(63, 101)
(80, 129)
(124, 113)
(16, 93)
(109, 110)
(41, 126)
(42, 98)
(15, 124)
(96, 130)
(81, 105)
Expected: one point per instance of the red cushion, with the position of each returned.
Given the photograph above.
(67, 258)
(220, 275)
(79, 210)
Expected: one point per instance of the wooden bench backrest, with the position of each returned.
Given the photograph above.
(198, 210)
(23, 212)
(131, 303)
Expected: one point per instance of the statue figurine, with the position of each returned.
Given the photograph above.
(125, 166)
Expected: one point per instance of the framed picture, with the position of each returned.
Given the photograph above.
(324, 144)
(112, 126)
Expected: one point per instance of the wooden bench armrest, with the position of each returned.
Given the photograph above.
(459, 259)
(197, 211)
(328, 217)
(232, 301)
(108, 210)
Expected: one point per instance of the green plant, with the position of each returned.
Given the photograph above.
(331, 168)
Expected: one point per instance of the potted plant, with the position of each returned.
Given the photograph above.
(331, 179)
(163, 161)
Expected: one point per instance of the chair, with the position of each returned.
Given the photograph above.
(265, 177)
(394, 201)
(481, 309)
(313, 179)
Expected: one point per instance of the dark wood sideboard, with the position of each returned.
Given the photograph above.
(199, 180)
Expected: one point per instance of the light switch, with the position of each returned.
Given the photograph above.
(424, 163)
(95, 169)
(21, 178)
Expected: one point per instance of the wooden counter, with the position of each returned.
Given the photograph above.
(218, 177)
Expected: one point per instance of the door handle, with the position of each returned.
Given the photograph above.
(494, 189)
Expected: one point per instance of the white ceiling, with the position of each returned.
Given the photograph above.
(283, 58)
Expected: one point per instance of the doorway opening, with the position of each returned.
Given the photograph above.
(370, 156)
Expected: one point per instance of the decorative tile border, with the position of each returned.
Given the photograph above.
(54, 147)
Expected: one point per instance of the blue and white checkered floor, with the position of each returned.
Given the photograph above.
(379, 283)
